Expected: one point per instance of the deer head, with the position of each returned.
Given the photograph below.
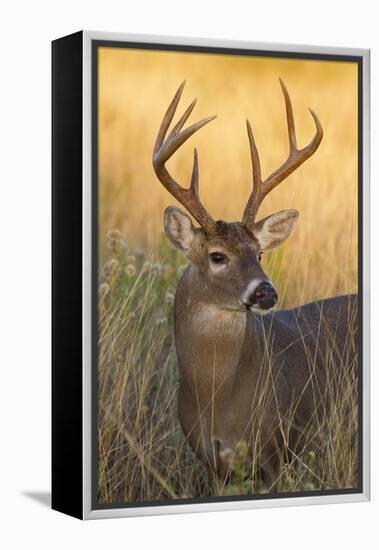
(227, 255)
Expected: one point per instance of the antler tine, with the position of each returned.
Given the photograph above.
(290, 119)
(195, 173)
(165, 147)
(179, 125)
(254, 199)
(295, 158)
(167, 119)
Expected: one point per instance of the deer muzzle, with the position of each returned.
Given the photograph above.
(263, 297)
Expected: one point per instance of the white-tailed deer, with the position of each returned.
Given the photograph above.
(245, 377)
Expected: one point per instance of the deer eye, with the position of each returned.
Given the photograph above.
(260, 256)
(218, 258)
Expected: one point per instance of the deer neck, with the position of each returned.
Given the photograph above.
(211, 341)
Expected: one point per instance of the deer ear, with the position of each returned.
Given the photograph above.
(275, 229)
(179, 228)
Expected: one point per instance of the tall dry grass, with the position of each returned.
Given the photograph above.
(142, 451)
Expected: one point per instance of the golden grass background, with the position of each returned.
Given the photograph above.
(135, 88)
(142, 453)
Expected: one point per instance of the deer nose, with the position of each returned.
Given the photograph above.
(265, 296)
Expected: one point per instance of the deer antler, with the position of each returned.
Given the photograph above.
(166, 147)
(295, 158)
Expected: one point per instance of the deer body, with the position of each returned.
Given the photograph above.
(221, 356)
(248, 374)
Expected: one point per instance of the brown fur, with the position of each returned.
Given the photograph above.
(226, 355)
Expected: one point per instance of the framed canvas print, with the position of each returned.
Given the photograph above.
(210, 275)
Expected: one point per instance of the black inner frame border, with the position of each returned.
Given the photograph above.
(212, 50)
